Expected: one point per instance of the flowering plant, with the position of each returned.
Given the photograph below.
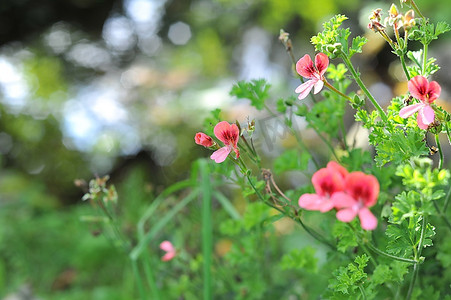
(381, 208)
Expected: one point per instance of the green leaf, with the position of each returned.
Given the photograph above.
(345, 236)
(255, 90)
(348, 278)
(405, 206)
(399, 240)
(291, 160)
(299, 259)
(357, 43)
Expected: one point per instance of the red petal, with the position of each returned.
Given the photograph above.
(305, 67)
(418, 87)
(327, 181)
(338, 168)
(367, 219)
(342, 200)
(362, 187)
(321, 62)
(346, 215)
(227, 133)
(434, 91)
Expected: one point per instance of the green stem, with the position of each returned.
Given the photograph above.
(404, 67)
(425, 57)
(441, 214)
(382, 253)
(416, 266)
(448, 134)
(332, 88)
(416, 9)
(439, 146)
(296, 136)
(448, 196)
(362, 291)
(137, 276)
(207, 230)
(151, 277)
(357, 79)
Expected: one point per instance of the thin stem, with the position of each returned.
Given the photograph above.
(404, 67)
(151, 277)
(416, 266)
(416, 9)
(137, 276)
(357, 79)
(362, 291)
(362, 245)
(441, 214)
(332, 88)
(207, 231)
(448, 134)
(439, 146)
(448, 196)
(295, 134)
(425, 57)
(382, 253)
(328, 144)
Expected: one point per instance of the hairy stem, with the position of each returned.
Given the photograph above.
(439, 146)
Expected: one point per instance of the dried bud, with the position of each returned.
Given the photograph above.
(394, 17)
(408, 20)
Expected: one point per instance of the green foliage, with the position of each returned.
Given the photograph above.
(345, 236)
(255, 90)
(417, 69)
(426, 32)
(337, 72)
(400, 240)
(333, 40)
(300, 259)
(348, 279)
(291, 160)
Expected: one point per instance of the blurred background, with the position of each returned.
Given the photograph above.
(95, 87)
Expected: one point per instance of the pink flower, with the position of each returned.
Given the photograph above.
(326, 182)
(360, 192)
(427, 93)
(315, 73)
(229, 135)
(169, 249)
(203, 139)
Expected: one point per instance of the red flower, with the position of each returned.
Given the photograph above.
(360, 192)
(203, 139)
(169, 249)
(315, 73)
(229, 135)
(326, 182)
(427, 92)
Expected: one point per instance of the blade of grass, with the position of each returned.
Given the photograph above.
(229, 208)
(207, 232)
(146, 238)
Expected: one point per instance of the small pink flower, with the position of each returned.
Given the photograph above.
(203, 139)
(229, 135)
(360, 193)
(315, 73)
(326, 182)
(427, 93)
(169, 249)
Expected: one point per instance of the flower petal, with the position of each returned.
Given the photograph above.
(337, 168)
(362, 187)
(418, 87)
(410, 110)
(305, 67)
(309, 201)
(305, 88)
(346, 214)
(420, 122)
(367, 219)
(321, 63)
(327, 181)
(221, 154)
(434, 91)
(427, 114)
(167, 246)
(227, 133)
(168, 256)
(318, 86)
(342, 200)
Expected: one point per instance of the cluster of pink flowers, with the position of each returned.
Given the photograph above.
(227, 133)
(351, 194)
(427, 92)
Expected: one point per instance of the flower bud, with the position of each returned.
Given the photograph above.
(203, 139)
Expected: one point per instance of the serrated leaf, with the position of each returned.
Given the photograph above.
(254, 90)
(399, 242)
(345, 236)
(357, 43)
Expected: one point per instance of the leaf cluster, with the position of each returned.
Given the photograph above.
(255, 90)
(426, 32)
